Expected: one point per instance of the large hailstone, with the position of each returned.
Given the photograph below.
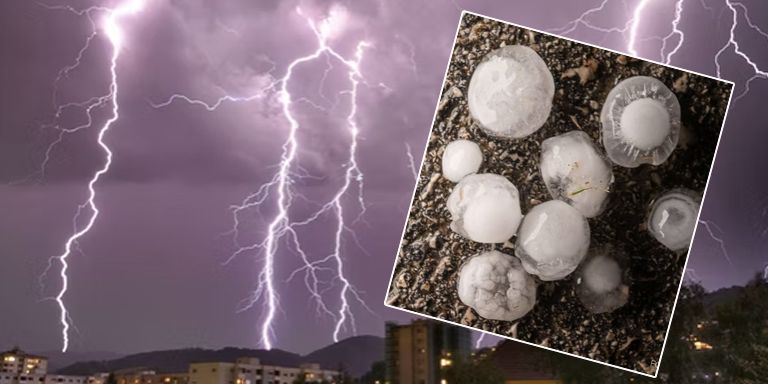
(510, 93)
(673, 218)
(461, 158)
(600, 285)
(485, 208)
(495, 285)
(574, 171)
(553, 239)
(641, 122)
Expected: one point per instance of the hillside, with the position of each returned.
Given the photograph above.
(355, 355)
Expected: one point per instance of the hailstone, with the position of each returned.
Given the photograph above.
(461, 158)
(495, 285)
(641, 122)
(576, 172)
(510, 93)
(485, 208)
(553, 239)
(673, 218)
(600, 284)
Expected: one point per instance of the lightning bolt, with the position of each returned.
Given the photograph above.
(631, 27)
(758, 73)
(584, 20)
(282, 228)
(479, 341)
(675, 32)
(112, 30)
(635, 23)
(411, 162)
(86, 106)
(708, 225)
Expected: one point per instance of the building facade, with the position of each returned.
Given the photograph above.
(419, 353)
(19, 367)
(249, 370)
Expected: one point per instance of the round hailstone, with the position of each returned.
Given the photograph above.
(510, 93)
(495, 285)
(553, 239)
(641, 122)
(485, 208)
(461, 158)
(600, 284)
(574, 171)
(673, 218)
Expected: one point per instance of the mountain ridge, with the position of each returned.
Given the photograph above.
(355, 355)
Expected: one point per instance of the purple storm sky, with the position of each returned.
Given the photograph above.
(150, 273)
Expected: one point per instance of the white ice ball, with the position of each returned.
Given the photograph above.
(461, 158)
(641, 122)
(673, 218)
(576, 172)
(645, 123)
(600, 285)
(553, 240)
(602, 274)
(510, 92)
(495, 285)
(485, 208)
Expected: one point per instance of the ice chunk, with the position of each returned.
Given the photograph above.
(673, 218)
(495, 285)
(461, 158)
(576, 172)
(641, 122)
(510, 93)
(553, 239)
(485, 208)
(600, 284)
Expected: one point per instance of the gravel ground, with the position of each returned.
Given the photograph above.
(427, 266)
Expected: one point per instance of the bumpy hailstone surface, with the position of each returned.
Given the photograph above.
(485, 208)
(641, 122)
(576, 172)
(599, 285)
(553, 239)
(673, 218)
(461, 158)
(496, 286)
(510, 93)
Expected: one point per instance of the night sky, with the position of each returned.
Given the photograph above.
(151, 274)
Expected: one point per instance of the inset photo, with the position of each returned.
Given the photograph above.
(559, 194)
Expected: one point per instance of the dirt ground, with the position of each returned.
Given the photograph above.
(426, 271)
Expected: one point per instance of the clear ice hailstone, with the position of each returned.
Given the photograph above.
(485, 208)
(600, 284)
(641, 122)
(495, 285)
(673, 218)
(552, 241)
(510, 93)
(461, 158)
(576, 172)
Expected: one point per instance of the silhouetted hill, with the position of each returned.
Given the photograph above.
(58, 360)
(714, 299)
(178, 360)
(355, 354)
